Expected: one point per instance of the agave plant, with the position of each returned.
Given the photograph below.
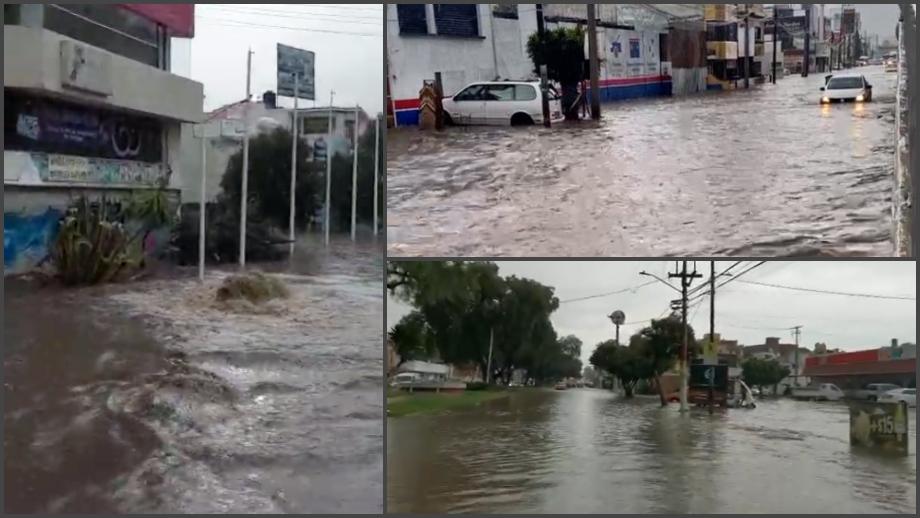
(92, 245)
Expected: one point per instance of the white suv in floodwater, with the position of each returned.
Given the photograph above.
(500, 103)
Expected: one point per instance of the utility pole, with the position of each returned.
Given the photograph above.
(593, 63)
(712, 321)
(354, 179)
(544, 86)
(795, 377)
(376, 167)
(775, 37)
(805, 63)
(747, 49)
(244, 189)
(686, 279)
(489, 363)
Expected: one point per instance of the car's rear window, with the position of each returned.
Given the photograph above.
(524, 93)
(845, 83)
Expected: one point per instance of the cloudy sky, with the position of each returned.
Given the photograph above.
(744, 312)
(347, 40)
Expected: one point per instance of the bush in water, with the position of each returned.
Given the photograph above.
(255, 287)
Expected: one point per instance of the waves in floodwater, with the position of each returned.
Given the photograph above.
(150, 397)
(590, 451)
(766, 172)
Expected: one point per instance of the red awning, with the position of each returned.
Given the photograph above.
(178, 18)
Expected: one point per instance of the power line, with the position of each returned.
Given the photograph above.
(237, 23)
(624, 290)
(828, 292)
(341, 18)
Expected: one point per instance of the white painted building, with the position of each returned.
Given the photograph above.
(476, 42)
(92, 109)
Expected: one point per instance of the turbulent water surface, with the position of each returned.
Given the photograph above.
(152, 397)
(766, 172)
(589, 451)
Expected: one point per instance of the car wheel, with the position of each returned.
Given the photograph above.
(521, 119)
(447, 120)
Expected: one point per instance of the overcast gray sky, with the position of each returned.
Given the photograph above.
(744, 312)
(351, 64)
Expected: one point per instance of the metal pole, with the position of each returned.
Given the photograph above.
(244, 191)
(683, 350)
(294, 123)
(807, 61)
(712, 324)
(747, 51)
(618, 334)
(489, 363)
(354, 179)
(202, 207)
(541, 30)
(326, 222)
(593, 63)
(775, 36)
(376, 167)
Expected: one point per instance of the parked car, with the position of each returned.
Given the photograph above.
(846, 88)
(517, 103)
(907, 395)
(891, 65)
(820, 392)
(561, 386)
(873, 391)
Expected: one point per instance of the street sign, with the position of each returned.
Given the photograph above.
(882, 426)
(705, 376)
(710, 352)
(233, 128)
(618, 318)
(293, 61)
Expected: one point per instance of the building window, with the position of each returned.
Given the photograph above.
(722, 32)
(412, 19)
(315, 125)
(635, 49)
(457, 19)
(48, 126)
(663, 47)
(112, 28)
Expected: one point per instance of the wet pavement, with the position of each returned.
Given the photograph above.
(590, 451)
(765, 172)
(151, 397)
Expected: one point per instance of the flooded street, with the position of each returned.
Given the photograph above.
(765, 172)
(589, 451)
(151, 397)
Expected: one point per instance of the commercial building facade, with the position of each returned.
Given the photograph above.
(478, 42)
(91, 109)
(850, 371)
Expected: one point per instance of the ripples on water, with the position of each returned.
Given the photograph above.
(150, 397)
(760, 173)
(589, 451)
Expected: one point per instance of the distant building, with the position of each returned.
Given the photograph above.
(788, 355)
(854, 369)
(426, 371)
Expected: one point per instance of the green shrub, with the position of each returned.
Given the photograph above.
(92, 245)
(477, 385)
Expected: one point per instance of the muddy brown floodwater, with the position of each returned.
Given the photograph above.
(766, 172)
(590, 451)
(148, 397)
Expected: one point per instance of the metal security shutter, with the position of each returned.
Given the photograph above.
(456, 19)
(412, 18)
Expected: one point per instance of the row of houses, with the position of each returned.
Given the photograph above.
(644, 49)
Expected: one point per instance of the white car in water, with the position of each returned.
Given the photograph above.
(517, 103)
(846, 88)
(907, 395)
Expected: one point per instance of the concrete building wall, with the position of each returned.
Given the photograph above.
(413, 59)
(40, 185)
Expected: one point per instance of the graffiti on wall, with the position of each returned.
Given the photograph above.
(26, 238)
(43, 125)
(78, 169)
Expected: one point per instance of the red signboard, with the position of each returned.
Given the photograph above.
(178, 18)
(869, 356)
